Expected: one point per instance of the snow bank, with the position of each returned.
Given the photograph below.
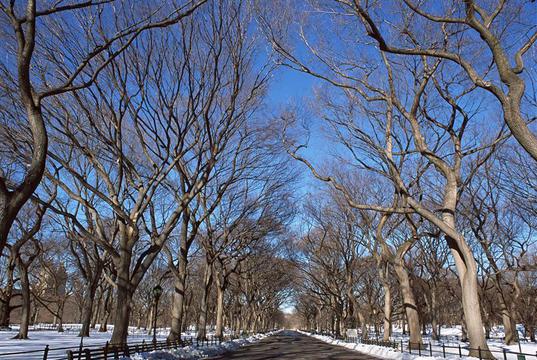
(58, 342)
(381, 351)
(192, 352)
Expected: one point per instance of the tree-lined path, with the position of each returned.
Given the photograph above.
(292, 345)
(219, 167)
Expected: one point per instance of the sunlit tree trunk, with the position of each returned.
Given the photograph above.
(383, 273)
(179, 283)
(409, 302)
(123, 299)
(219, 332)
(207, 282)
(26, 301)
(434, 315)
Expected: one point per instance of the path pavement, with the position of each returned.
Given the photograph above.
(292, 345)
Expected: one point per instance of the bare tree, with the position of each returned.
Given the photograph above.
(229, 98)
(503, 239)
(33, 43)
(389, 128)
(24, 251)
(454, 40)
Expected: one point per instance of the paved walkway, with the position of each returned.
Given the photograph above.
(292, 345)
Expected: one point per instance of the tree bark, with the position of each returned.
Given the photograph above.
(97, 313)
(61, 306)
(7, 294)
(238, 323)
(363, 323)
(149, 320)
(509, 326)
(531, 330)
(12, 201)
(207, 282)
(5, 312)
(219, 310)
(383, 272)
(178, 300)
(434, 315)
(103, 326)
(467, 272)
(87, 312)
(123, 298)
(26, 301)
(122, 315)
(409, 302)
(105, 314)
(464, 262)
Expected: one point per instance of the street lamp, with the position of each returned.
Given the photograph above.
(157, 291)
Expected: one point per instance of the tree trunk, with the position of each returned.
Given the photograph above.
(149, 319)
(531, 330)
(337, 327)
(363, 323)
(409, 302)
(89, 301)
(122, 316)
(434, 316)
(105, 315)
(238, 323)
(87, 312)
(318, 319)
(61, 306)
(467, 272)
(219, 310)
(464, 335)
(7, 294)
(387, 307)
(103, 326)
(12, 201)
(464, 262)
(178, 300)
(25, 306)
(122, 310)
(5, 311)
(97, 313)
(509, 326)
(202, 323)
(34, 319)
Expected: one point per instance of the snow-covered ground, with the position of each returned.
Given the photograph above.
(449, 343)
(450, 340)
(381, 351)
(192, 352)
(60, 342)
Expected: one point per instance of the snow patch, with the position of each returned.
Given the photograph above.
(381, 351)
(192, 352)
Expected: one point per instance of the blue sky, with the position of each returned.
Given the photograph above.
(294, 88)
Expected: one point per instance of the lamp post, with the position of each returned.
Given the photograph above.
(157, 291)
(376, 324)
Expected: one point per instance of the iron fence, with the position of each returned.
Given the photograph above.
(439, 348)
(109, 350)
